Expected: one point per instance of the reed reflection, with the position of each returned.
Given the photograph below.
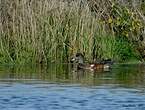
(124, 75)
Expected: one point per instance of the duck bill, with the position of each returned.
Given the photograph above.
(72, 60)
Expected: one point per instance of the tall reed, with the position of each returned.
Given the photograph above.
(34, 31)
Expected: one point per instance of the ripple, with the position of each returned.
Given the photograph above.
(56, 88)
(69, 97)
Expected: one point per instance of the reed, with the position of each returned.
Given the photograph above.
(34, 31)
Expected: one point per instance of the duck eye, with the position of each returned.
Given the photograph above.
(77, 55)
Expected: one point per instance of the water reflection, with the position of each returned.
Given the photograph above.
(125, 75)
(57, 86)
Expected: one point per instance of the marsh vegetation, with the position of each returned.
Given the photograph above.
(34, 31)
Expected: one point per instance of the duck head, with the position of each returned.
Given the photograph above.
(78, 58)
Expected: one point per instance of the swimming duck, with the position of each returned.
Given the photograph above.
(78, 59)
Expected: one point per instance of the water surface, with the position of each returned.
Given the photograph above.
(59, 87)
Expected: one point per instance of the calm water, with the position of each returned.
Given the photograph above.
(59, 87)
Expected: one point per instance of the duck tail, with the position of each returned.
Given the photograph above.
(107, 61)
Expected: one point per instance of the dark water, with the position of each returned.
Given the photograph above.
(58, 87)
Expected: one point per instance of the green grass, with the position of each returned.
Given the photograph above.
(51, 31)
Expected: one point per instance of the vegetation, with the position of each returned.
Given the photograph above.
(35, 31)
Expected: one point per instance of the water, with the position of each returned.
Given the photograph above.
(59, 87)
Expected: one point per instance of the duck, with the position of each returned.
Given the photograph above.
(79, 61)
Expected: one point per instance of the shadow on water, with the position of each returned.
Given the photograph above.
(124, 75)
